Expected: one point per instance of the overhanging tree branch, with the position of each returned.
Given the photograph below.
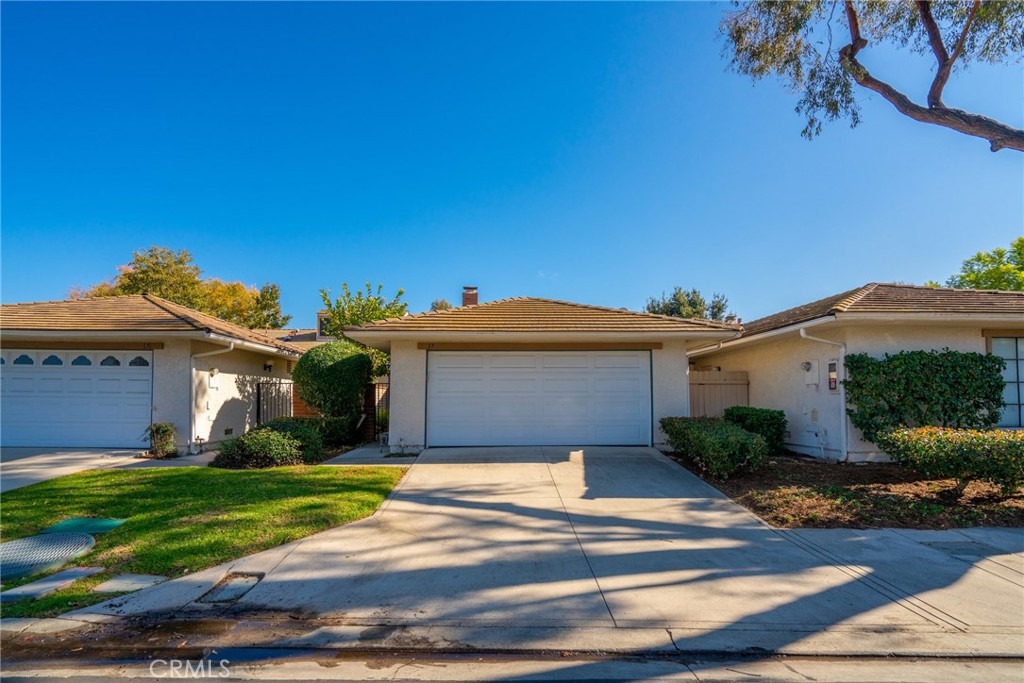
(999, 135)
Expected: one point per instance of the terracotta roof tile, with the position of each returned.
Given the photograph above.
(304, 339)
(526, 314)
(893, 298)
(130, 313)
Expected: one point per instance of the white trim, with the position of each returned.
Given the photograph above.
(732, 343)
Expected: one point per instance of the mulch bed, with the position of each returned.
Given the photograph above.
(793, 491)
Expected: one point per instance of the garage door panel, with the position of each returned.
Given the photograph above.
(77, 403)
(553, 398)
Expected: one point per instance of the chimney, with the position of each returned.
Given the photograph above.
(469, 296)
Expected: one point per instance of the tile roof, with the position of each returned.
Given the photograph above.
(877, 297)
(305, 339)
(527, 314)
(129, 313)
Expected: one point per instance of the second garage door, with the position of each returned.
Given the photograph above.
(507, 398)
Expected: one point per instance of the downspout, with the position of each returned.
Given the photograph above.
(844, 450)
(192, 391)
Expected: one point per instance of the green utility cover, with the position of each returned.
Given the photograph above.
(84, 525)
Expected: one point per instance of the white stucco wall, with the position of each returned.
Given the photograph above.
(407, 427)
(170, 387)
(815, 412)
(778, 381)
(225, 402)
(407, 407)
(670, 386)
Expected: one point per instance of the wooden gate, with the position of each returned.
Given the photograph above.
(712, 391)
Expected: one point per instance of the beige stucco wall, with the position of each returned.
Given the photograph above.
(670, 386)
(814, 412)
(407, 428)
(170, 387)
(407, 407)
(225, 402)
(778, 381)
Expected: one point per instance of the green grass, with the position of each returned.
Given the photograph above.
(184, 519)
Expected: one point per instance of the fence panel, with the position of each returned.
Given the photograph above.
(712, 391)
(273, 400)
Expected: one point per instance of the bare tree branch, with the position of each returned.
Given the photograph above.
(999, 135)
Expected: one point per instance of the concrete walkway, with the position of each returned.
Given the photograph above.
(612, 549)
(24, 466)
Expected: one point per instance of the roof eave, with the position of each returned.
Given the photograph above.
(382, 339)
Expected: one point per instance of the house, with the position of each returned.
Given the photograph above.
(794, 359)
(530, 371)
(96, 372)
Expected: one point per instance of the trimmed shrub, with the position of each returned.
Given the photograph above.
(771, 424)
(257, 450)
(161, 439)
(994, 456)
(717, 447)
(923, 388)
(337, 431)
(332, 378)
(305, 431)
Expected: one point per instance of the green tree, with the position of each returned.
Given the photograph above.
(440, 305)
(690, 303)
(362, 307)
(813, 47)
(174, 276)
(997, 269)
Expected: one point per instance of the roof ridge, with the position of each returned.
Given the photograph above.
(168, 306)
(162, 304)
(849, 301)
(424, 314)
(71, 299)
(642, 314)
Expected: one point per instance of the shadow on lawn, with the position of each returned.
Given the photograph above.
(666, 550)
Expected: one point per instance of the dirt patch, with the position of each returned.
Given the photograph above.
(793, 491)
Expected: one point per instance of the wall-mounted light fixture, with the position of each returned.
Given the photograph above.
(806, 366)
(268, 366)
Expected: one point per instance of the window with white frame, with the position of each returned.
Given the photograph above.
(1011, 350)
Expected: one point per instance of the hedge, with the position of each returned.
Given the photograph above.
(332, 378)
(995, 456)
(771, 424)
(257, 450)
(716, 446)
(305, 431)
(923, 389)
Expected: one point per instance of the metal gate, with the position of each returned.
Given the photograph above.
(273, 400)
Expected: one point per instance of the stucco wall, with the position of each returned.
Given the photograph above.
(778, 381)
(670, 386)
(406, 427)
(170, 387)
(225, 402)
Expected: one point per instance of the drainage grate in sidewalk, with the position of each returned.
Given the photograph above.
(230, 589)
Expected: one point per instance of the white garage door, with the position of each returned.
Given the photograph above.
(538, 398)
(75, 398)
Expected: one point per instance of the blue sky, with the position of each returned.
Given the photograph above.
(598, 153)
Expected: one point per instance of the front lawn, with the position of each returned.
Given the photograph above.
(184, 519)
(792, 492)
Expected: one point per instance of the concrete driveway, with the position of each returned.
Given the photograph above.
(24, 466)
(605, 548)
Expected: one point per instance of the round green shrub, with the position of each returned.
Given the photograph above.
(303, 430)
(715, 446)
(332, 378)
(257, 450)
